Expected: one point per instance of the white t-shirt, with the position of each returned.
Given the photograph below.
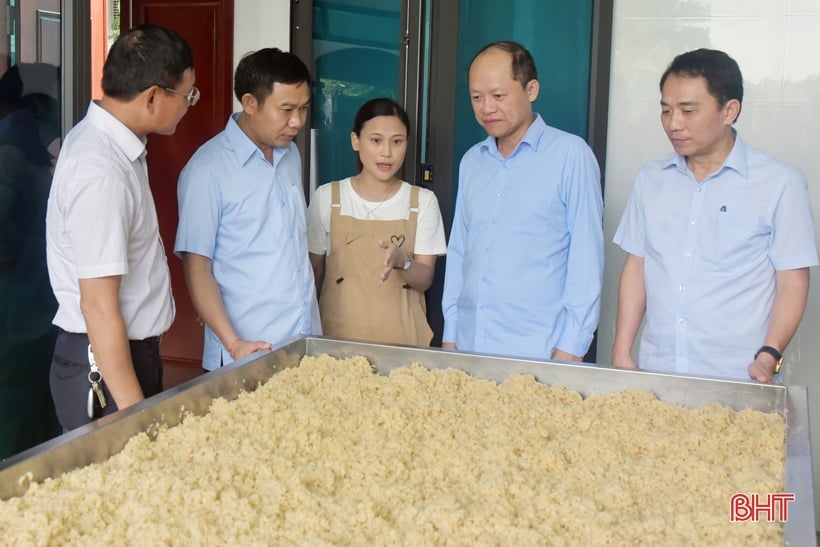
(429, 230)
(101, 221)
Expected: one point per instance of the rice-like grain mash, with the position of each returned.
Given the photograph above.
(329, 453)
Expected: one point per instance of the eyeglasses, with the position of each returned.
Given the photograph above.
(192, 96)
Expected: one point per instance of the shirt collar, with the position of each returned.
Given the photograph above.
(737, 157)
(126, 140)
(736, 160)
(532, 137)
(243, 146)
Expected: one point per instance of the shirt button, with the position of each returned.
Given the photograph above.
(688, 253)
(694, 221)
(682, 288)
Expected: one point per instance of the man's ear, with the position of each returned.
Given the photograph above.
(150, 97)
(732, 111)
(532, 90)
(249, 103)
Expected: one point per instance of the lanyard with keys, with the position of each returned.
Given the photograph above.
(95, 378)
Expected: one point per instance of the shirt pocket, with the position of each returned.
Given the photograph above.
(738, 240)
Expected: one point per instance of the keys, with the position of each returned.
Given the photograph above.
(95, 379)
(95, 391)
(95, 387)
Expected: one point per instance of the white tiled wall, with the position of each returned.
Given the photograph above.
(259, 24)
(777, 45)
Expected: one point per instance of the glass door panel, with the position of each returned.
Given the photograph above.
(559, 36)
(356, 58)
(30, 131)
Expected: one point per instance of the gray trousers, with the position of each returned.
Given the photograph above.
(68, 377)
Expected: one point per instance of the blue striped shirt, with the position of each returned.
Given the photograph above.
(526, 254)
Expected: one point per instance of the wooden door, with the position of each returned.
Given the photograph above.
(207, 25)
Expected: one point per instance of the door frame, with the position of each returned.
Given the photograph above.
(301, 44)
(75, 62)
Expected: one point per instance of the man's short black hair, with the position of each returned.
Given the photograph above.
(144, 56)
(258, 71)
(722, 73)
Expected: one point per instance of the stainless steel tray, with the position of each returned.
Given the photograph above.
(107, 436)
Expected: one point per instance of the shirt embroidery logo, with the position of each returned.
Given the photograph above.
(397, 240)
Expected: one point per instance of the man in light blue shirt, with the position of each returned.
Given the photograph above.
(719, 238)
(525, 258)
(242, 233)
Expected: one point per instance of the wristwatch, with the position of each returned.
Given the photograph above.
(405, 266)
(778, 357)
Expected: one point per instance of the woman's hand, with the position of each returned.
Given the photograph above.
(394, 257)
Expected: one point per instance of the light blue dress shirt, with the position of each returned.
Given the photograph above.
(526, 255)
(248, 217)
(710, 253)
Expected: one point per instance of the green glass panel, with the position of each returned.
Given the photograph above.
(356, 58)
(556, 32)
(29, 141)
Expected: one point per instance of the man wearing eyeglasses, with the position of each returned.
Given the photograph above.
(242, 231)
(106, 261)
(192, 97)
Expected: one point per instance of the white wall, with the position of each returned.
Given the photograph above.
(777, 45)
(259, 24)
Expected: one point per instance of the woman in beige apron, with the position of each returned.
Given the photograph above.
(370, 279)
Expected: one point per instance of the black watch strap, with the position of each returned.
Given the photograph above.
(778, 357)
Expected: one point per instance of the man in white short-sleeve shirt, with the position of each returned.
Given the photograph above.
(106, 261)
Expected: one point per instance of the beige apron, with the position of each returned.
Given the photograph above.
(353, 305)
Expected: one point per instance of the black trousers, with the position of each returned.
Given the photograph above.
(69, 376)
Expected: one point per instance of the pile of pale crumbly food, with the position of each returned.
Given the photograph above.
(330, 453)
